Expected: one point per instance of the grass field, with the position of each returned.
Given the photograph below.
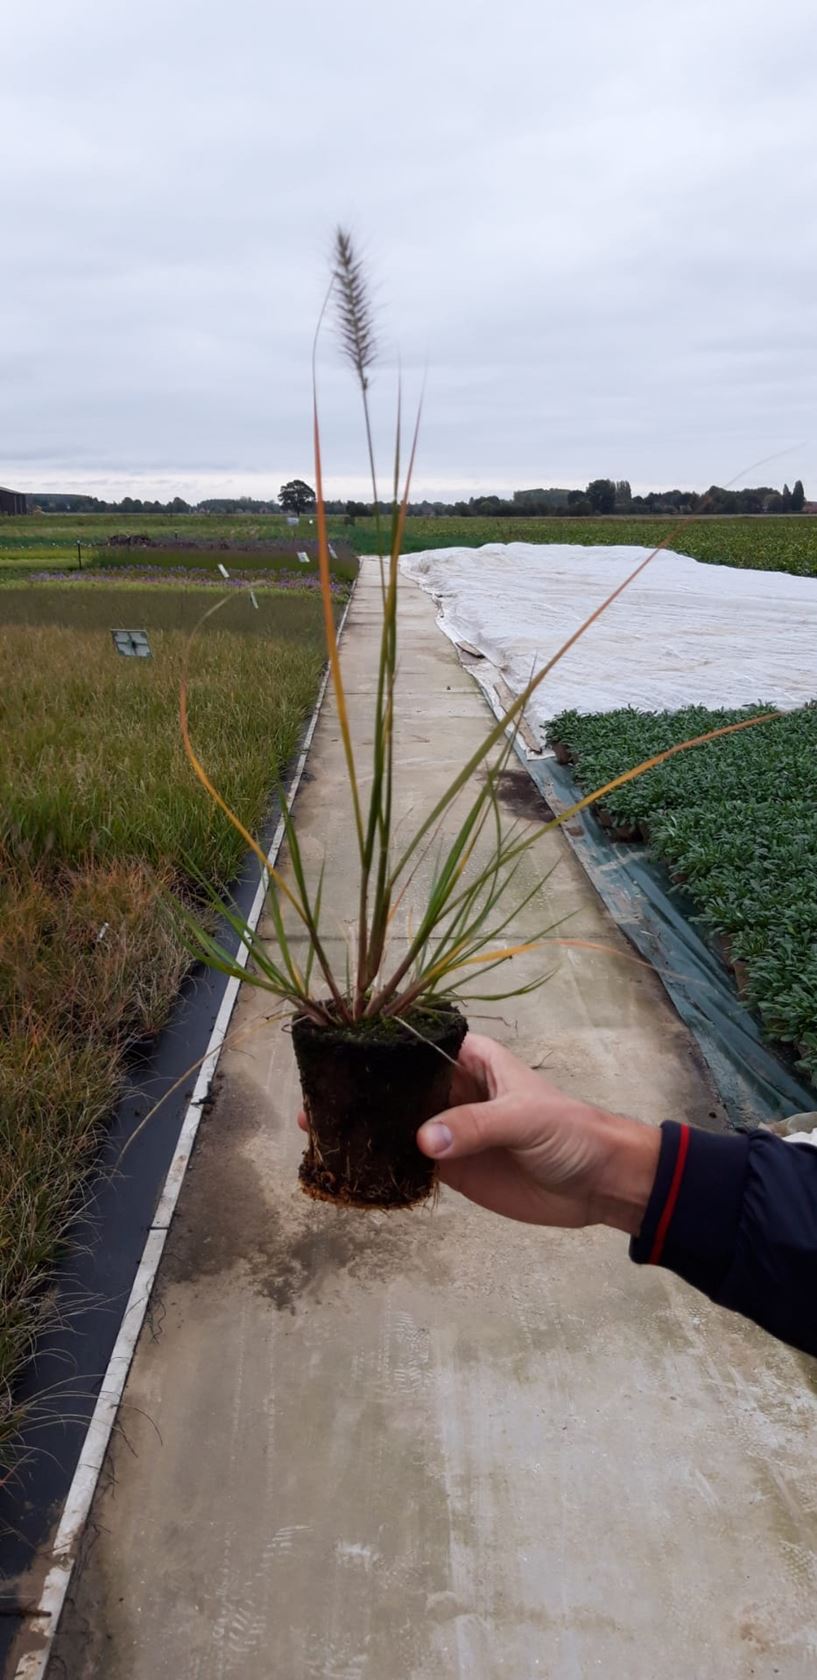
(128, 604)
(103, 825)
(786, 544)
(736, 822)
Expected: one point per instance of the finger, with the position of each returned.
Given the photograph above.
(471, 1128)
(473, 1079)
(490, 1066)
(467, 1084)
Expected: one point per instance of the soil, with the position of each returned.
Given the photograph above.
(520, 795)
(625, 833)
(367, 1089)
(722, 944)
(561, 753)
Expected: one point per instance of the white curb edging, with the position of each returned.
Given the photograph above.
(42, 1623)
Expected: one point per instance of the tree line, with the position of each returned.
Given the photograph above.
(605, 496)
(602, 496)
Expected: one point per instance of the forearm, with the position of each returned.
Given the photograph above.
(736, 1216)
(631, 1153)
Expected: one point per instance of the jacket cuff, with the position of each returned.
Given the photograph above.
(692, 1217)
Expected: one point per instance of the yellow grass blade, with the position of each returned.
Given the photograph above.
(650, 763)
(502, 955)
(611, 951)
(516, 709)
(201, 773)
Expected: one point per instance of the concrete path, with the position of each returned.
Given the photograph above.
(427, 1445)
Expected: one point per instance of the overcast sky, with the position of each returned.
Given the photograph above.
(594, 223)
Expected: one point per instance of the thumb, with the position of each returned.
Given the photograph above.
(470, 1129)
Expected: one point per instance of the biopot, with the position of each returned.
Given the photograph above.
(367, 1087)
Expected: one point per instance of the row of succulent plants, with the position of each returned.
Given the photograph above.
(736, 823)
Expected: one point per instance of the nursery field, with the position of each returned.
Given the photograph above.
(735, 821)
(778, 543)
(51, 539)
(103, 828)
(284, 567)
(48, 543)
(761, 544)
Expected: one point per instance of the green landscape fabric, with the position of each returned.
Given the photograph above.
(755, 1085)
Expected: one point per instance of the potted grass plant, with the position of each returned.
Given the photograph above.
(376, 1043)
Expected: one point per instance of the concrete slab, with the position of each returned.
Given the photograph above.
(407, 1446)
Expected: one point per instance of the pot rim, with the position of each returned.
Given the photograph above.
(448, 1023)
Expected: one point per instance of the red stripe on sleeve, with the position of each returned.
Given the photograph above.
(669, 1205)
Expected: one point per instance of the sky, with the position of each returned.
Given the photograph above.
(592, 230)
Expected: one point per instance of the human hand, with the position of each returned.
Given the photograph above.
(515, 1144)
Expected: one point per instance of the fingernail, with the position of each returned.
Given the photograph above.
(437, 1138)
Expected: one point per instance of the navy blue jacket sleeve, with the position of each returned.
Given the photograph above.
(736, 1216)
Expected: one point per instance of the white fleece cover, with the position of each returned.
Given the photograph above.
(684, 632)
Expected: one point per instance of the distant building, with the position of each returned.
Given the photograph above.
(12, 501)
(810, 507)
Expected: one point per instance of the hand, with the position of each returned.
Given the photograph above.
(515, 1144)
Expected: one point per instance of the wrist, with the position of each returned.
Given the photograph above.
(629, 1164)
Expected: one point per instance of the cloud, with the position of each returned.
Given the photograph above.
(592, 226)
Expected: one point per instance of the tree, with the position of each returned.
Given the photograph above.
(490, 507)
(624, 495)
(601, 494)
(539, 502)
(355, 510)
(296, 497)
(798, 496)
(749, 501)
(715, 500)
